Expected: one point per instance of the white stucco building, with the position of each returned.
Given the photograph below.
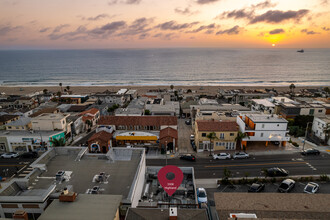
(319, 126)
(263, 128)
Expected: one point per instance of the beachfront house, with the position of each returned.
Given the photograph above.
(264, 129)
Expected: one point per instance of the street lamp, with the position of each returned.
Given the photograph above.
(306, 135)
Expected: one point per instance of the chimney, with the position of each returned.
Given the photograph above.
(67, 196)
(173, 213)
(20, 214)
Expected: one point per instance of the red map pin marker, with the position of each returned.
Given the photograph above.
(170, 177)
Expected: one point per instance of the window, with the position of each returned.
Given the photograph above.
(9, 127)
(222, 136)
(263, 126)
(278, 125)
(201, 146)
(320, 110)
(203, 134)
(311, 112)
(232, 134)
(262, 134)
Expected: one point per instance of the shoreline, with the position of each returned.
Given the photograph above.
(86, 90)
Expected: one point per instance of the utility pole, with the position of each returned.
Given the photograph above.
(166, 151)
(306, 135)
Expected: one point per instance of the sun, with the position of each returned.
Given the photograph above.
(273, 45)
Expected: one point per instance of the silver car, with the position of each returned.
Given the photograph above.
(9, 155)
(287, 185)
(241, 155)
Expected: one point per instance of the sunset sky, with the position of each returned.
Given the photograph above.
(60, 24)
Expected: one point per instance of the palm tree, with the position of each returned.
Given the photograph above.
(240, 137)
(60, 84)
(212, 136)
(58, 142)
(59, 94)
(292, 87)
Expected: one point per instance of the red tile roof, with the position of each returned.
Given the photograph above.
(102, 135)
(217, 126)
(139, 120)
(92, 111)
(85, 118)
(168, 132)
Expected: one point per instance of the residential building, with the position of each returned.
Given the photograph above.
(77, 99)
(5, 119)
(92, 115)
(134, 108)
(288, 110)
(77, 124)
(100, 142)
(320, 128)
(23, 123)
(225, 134)
(52, 110)
(111, 97)
(263, 128)
(263, 105)
(51, 122)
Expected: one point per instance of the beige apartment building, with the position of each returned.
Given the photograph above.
(225, 132)
(51, 122)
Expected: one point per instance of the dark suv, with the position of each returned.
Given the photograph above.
(189, 157)
(32, 154)
(310, 151)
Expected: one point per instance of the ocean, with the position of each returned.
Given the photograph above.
(177, 66)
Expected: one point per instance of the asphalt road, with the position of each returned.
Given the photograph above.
(11, 165)
(296, 164)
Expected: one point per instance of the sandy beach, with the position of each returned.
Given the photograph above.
(86, 90)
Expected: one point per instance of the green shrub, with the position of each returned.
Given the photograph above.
(324, 177)
(311, 179)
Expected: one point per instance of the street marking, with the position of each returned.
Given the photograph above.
(260, 164)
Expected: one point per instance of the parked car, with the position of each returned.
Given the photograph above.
(221, 156)
(201, 195)
(286, 185)
(276, 171)
(189, 157)
(310, 151)
(193, 145)
(311, 188)
(32, 154)
(192, 137)
(241, 155)
(188, 122)
(256, 187)
(9, 155)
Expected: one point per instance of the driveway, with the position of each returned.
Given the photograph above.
(184, 132)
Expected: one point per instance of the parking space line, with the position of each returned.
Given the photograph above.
(260, 164)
